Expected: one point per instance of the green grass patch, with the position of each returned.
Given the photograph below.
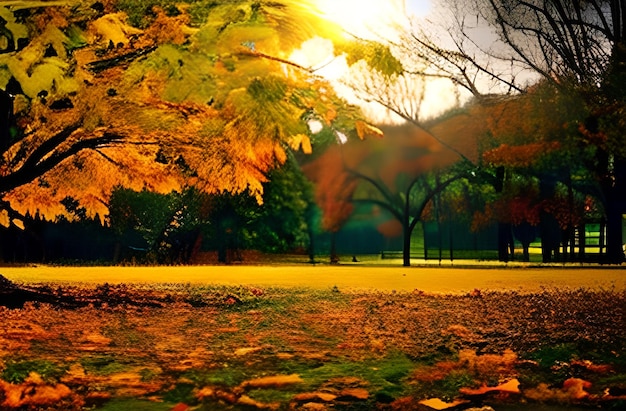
(17, 371)
(103, 365)
(230, 376)
(131, 404)
(148, 374)
(381, 374)
(547, 357)
(180, 393)
(446, 388)
(272, 395)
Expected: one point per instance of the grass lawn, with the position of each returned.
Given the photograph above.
(357, 276)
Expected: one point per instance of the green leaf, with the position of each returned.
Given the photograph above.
(376, 55)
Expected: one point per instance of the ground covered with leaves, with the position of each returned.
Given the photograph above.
(188, 347)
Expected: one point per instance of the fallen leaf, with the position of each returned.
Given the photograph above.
(272, 381)
(314, 396)
(510, 387)
(245, 400)
(573, 389)
(180, 407)
(206, 392)
(438, 404)
(597, 368)
(32, 392)
(240, 352)
(576, 388)
(354, 394)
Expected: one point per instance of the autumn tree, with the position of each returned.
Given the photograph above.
(153, 95)
(497, 46)
(334, 187)
(395, 172)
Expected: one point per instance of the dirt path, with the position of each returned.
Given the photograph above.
(346, 277)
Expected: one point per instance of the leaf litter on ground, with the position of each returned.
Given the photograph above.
(163, 345)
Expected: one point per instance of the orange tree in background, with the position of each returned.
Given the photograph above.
(333, 191)
(502, 142)
(577, 47)
(543, 176)
(127, 93)
(396, 173)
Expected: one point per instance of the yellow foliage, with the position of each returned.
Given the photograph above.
(365, 130)
(35, 72)
(111, 28)
(301, 141)
(330, 115)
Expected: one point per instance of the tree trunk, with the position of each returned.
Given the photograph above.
(504, 229)
(615, 208)
(221, 253)
(311, 234)
(505, 239)
(334, 258)
(614, 239)
(549, 226)
(13, 296)
(582, 242)
(406, 244)
(526, 234)
(526, 252)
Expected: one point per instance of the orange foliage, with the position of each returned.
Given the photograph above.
(520, 156)
(405, 153)
(32, 393)
(365, 130)
(561, 209)
(524, 207)
(483, 365)
(166, 29)
(122, 81)
(573, 389)
(390, 228)
(334, 188)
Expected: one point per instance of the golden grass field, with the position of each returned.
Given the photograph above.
(447, 279)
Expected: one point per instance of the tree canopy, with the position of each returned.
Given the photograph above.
(157, 95)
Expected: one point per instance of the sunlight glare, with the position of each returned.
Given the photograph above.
(341, 138)
(364, 19)
(315, 126)
(372, 20)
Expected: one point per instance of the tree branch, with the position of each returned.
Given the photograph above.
(105, 64)
(37, 166)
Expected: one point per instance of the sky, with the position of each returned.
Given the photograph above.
(371, 19)
(364, 18)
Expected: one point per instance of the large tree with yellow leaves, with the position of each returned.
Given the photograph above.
(156, 95)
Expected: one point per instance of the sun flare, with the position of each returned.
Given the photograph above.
(364, 19)
(378, 20)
